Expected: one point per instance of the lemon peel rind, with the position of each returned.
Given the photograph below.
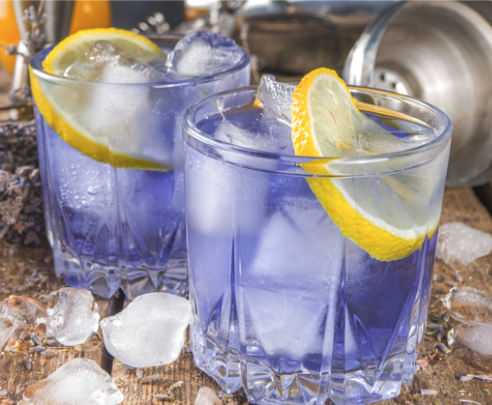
(379, 243)
(77, 140)
(97, 34)
(304, 143)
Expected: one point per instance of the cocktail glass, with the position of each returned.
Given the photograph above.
(122, 227)
(285, 305)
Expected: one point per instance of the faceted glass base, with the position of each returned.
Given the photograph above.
(221, 363)
(105, 280)
(263, 385)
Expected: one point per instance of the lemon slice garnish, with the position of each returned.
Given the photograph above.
(110, 123)
(388, 216)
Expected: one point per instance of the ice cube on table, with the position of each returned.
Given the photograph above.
(207, 396)
(149, 332)
(74, 319)
(7, 329)
(476, 337)
(276, 97)
(202, 53)
(459, 244)
(106, 63)
(78, 382)
(23, 311)
(469, 305)
(19, 314)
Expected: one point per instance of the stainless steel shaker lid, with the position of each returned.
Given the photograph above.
(440, 52)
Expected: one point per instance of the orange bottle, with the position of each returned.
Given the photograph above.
(86, 14)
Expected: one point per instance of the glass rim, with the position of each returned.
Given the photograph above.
(37, 60)
(439, 142)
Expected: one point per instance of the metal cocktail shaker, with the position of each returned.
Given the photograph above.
(441, 52)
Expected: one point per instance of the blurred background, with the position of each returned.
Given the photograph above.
(288, 37)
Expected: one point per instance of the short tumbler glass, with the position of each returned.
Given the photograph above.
(284, 304)
(122, 227)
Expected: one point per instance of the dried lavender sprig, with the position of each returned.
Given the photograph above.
(21, 205)
(35, 39)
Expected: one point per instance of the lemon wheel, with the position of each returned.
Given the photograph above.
(378, 213)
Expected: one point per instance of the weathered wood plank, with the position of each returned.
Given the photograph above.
(17, 266)
(179, 381)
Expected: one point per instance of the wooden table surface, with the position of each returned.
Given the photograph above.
(438, 375)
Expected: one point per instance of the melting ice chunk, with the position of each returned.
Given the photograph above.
(18, 314)
(149, 332)
(106, 63)
(202, 54)
(228, 132)
(460, 244)
(78, 382)
(475, 337)
(23, 311)
(259, 139)
(276, 97)
(74, 319)
(207, 396)
(469, 305)
(289, 300)
(284, 247)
